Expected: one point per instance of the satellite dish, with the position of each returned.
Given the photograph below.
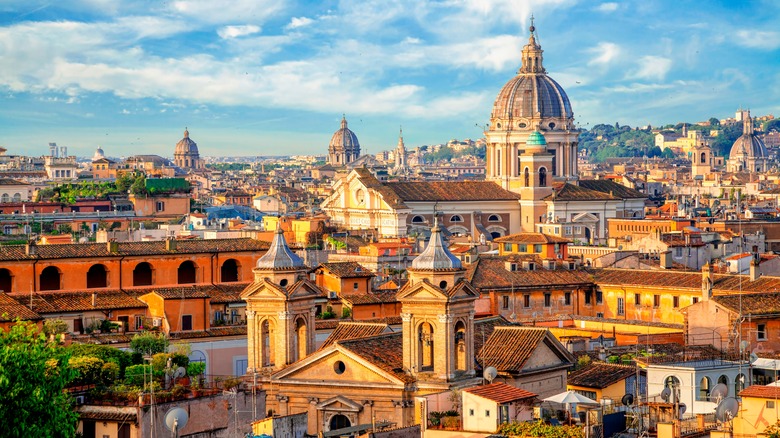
(753, 357)
(665, 394)
(719, 392)
(490, 373)
(683, 408)
(179, 373)
(726, 409)
(743, 345)
(176, 419)
(628, 399)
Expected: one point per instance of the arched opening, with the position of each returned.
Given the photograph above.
(50, 278)
(739, 384)
(456, 218)
(301, 337)
(495, 234)
(542, 177)
(460, 346)
(704, 388)
(6, 280)
(5, 198)
(526, 177)
(425, 347)
(267, 347)
(187, 272)
(97, 276)
(703, 157)
(229, 271)
(494, 218)
(339, 421)
(17, 197)
(723, 379)
(142, 274)
(418, 219)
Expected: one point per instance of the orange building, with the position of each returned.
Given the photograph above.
(343, 278)
(544, 245)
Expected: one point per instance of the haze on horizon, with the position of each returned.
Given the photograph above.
(273, 77)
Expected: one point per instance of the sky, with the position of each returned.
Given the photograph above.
(273, 77)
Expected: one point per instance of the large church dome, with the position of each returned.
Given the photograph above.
(344, 139)
(186, 145)
(748, 145)
(531, 97)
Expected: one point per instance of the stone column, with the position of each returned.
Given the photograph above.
(443, 355)
(409, 341)
(251, 337)
(368, 412)
(313, 420)
(283, 408)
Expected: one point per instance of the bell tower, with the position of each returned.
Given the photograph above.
(701, 159)
(437, 310)
(280, 309)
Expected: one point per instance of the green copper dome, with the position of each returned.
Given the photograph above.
(536, 139)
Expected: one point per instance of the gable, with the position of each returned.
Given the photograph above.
(421, 291)
(543, 357)
(323, 368)
(261, 290)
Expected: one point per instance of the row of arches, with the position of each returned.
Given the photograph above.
(17, 197)
(51, 277)
(419, 219)
(426, 350)
(299, 347)
(706, 385)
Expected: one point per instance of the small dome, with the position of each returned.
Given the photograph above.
(536, 139)
(98, 154)
(344, 139)
(186, 145)
(279, 255)
(436, 255)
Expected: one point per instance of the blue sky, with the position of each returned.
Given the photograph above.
(271, 77)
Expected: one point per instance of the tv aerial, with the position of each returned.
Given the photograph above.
(175, 420)
(490, 373)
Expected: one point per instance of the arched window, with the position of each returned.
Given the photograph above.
(460, 346)
(542, 177)
(6, 280)
(142, 274)
(418, 219)
(425, 347)
(739, 384)
(456, 218)
(17, 197)
(301, 338)
(526, 177)
(97, 276)
(723, 379)
(267, 347)
(703, 157)
(704, 388)
(339, 421)
(199, 356)
(671, 381)
(5, 198)
(50, 278)
(230, 271)
(187, 272)
(494, 218)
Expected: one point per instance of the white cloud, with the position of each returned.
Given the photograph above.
(758, 39)
(229, 32)
(652, 67)
(605, 52)
(297, 22)
(607, 7)
(210, 11)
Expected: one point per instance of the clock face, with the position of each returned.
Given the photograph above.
(360, 196)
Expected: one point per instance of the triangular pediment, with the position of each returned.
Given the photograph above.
(339, 403)
(262, 290)
(421, 291)
(585, 217)
(463, 290)
(547, 354)
(323, 368)
(303, 289)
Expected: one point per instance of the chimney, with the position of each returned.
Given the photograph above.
(31, 248)
(706, 281)
(755, 273)
(94, 299)
(170, 244)
(112, 246)
(666, 260)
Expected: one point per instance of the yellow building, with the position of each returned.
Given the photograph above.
(599, 381)
(759, 410)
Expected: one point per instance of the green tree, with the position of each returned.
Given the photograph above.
(139, 185)
(770, 125)
(714, 121)
(149, 343)
(33, 374)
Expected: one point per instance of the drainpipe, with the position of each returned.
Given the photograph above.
(34, 282)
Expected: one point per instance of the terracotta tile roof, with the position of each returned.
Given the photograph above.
(500, 392)
(531, 238)
(484, 327)
(225, 293)
(761, 391)
(108, 413)
(10, 309)
(182, 292)
(508, 348)
(97, 250)
(611, 187)
(490, 273)
(370, 298)
(354, 330)
(389, 285)
(78, 301)
(600, 375)
(384, 351)
(722, 283)
(102, 338)
(430, 191)
(228, 330)
(751, 304)
(571, 192)
(347, 269)
(388, 195)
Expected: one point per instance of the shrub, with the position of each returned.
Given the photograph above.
(196, 368)
(89, 369)
(149, 343)
(104, 352)
(539, 429)
(134, 374)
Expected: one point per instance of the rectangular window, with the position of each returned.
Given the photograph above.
(588, 297)
(547, 300)
(770, 404)
(694, 300)
(599, 297)
(526, 301)
(676, 301)
(508, 247)
(656, 301)
(139, 322)
(567, 231)
(761, 332)
(678, 252)
(567, 298)
(471, 412)
(504, 302)
(637, 299)
(621, 306)
(537, 248)
(522, 248)
(354, 286)
(487, 412)
(186, 322)
(160, 206)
